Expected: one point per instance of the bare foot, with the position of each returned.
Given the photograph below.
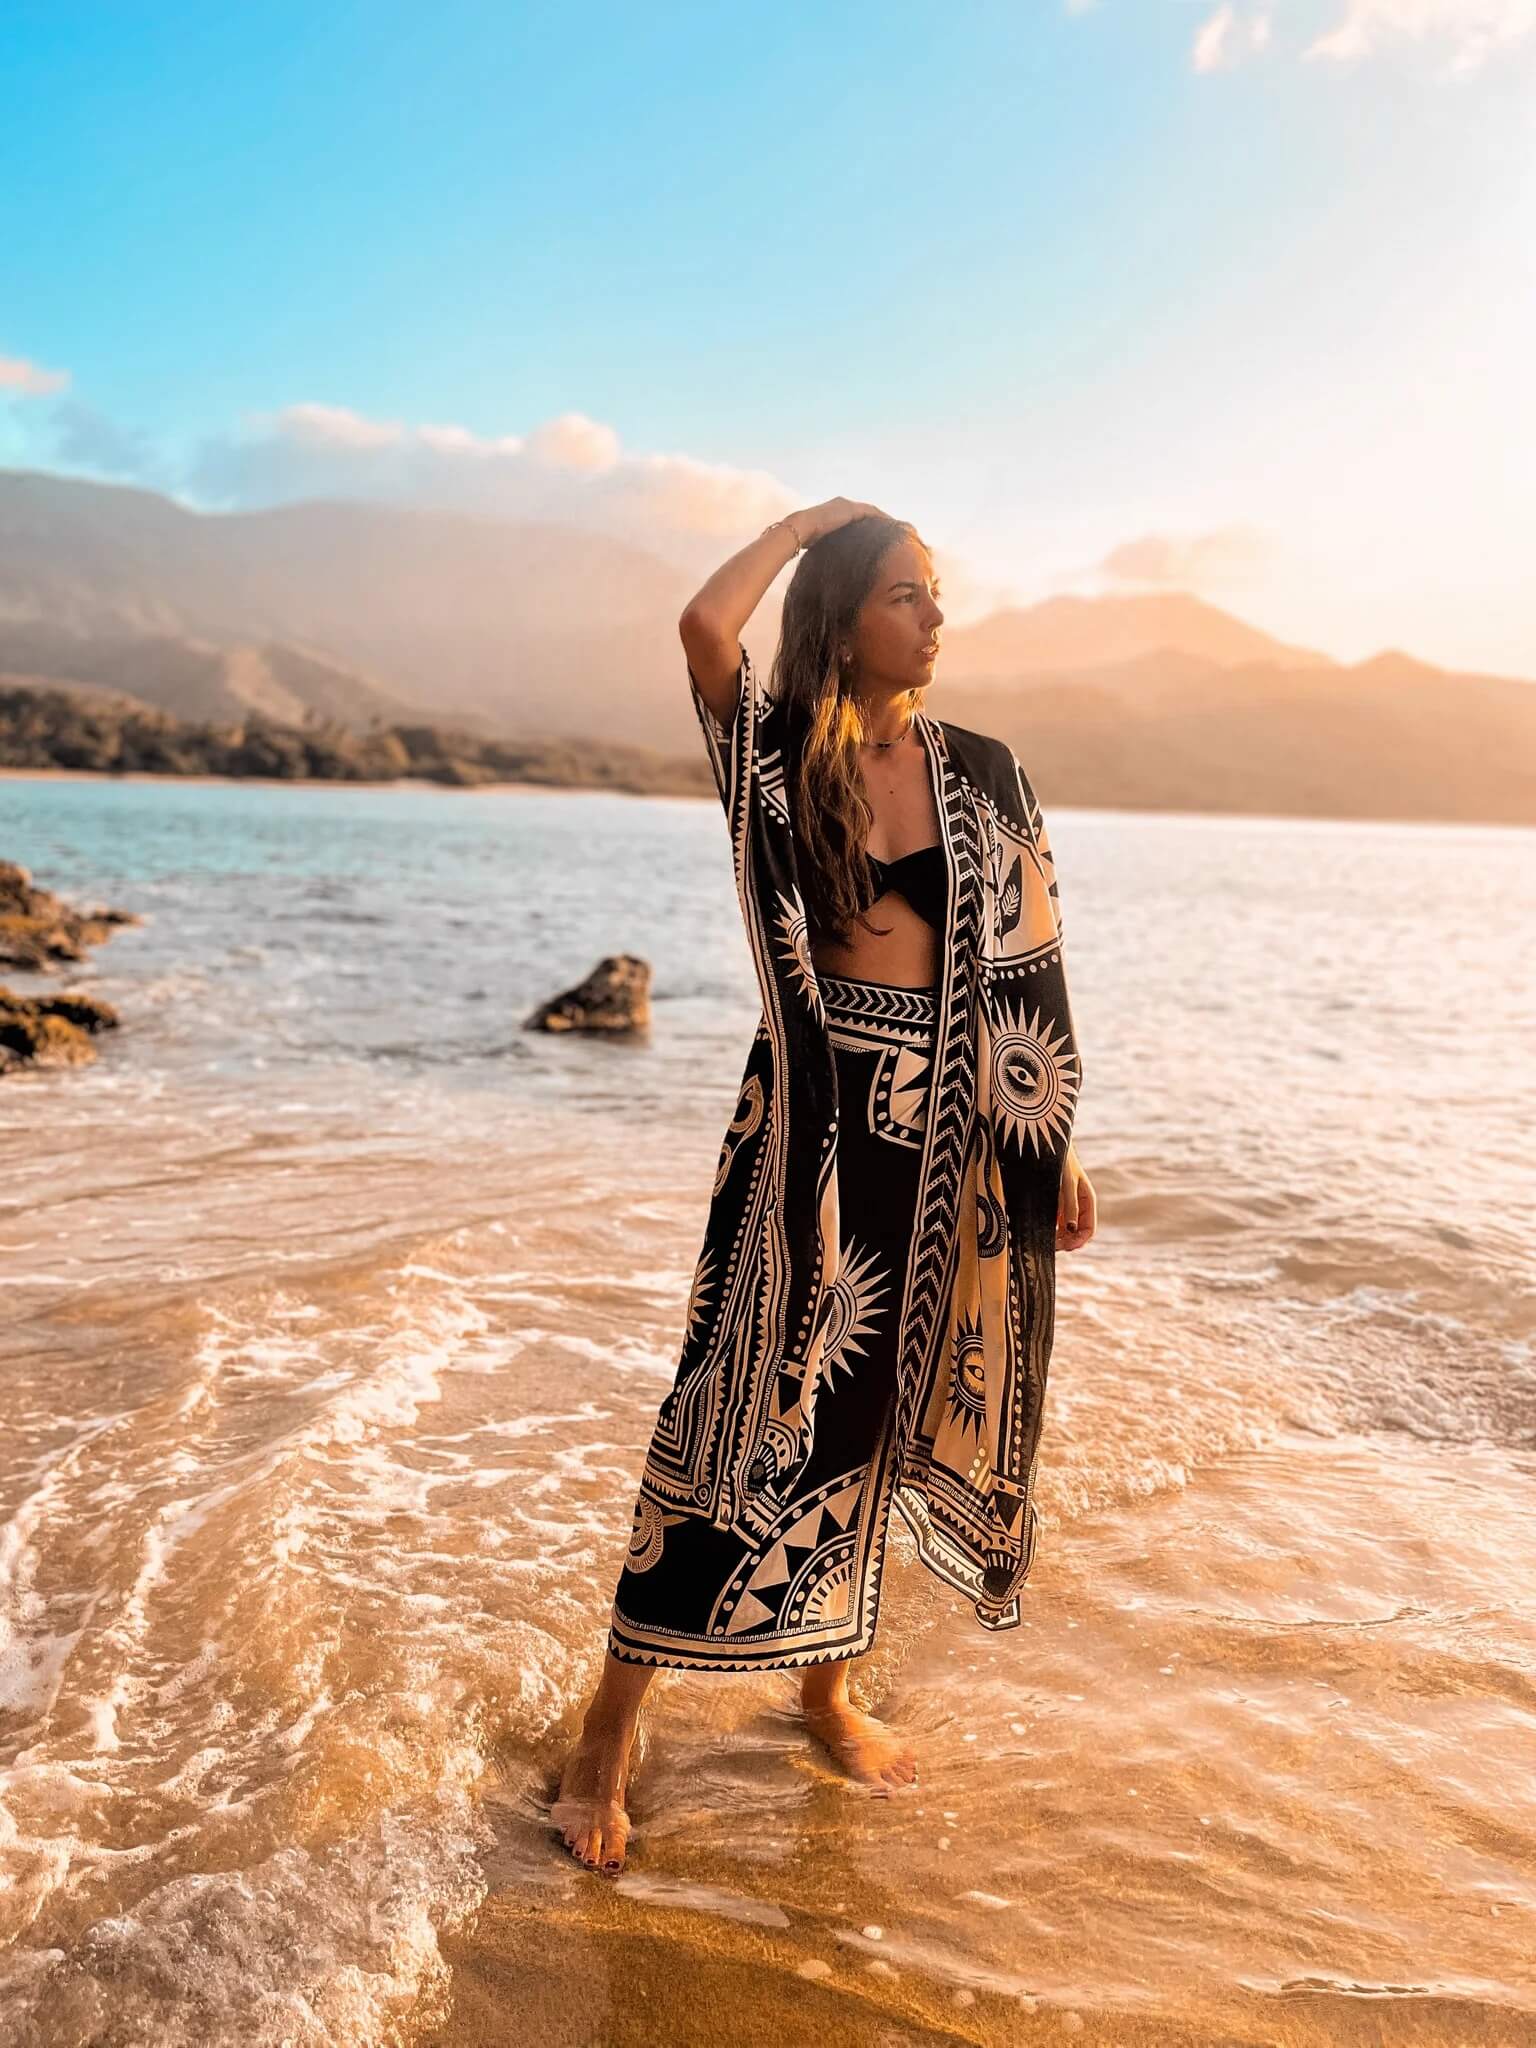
(589, 1808)
(866, 1748)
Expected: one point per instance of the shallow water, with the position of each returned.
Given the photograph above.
(337, 1312)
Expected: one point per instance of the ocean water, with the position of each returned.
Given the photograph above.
(334, 1313)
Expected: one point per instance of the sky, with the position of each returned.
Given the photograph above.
(1102, 295)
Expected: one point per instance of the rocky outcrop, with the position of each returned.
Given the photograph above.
(112, 735)
(616, 996)
(38, 931)
(51, 1031)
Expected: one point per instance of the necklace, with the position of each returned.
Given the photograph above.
(884, 746)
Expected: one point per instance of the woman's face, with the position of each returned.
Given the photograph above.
(897, 632)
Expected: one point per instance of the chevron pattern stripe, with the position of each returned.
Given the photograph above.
(854, 999)
(934, 1249)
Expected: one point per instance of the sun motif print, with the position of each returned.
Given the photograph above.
(795, 938)
(852, 1308)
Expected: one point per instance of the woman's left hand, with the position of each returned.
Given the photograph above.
(1077, 1210)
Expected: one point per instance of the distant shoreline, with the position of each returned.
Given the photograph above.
(50, 731)
(418, 783)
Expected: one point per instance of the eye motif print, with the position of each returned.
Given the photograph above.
(1034, 1080)
(967, 1397)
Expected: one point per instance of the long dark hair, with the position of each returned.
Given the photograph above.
(832, 814)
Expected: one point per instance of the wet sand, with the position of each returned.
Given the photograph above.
(1203, 1708)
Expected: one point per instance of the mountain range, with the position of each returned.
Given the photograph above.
(365, 615)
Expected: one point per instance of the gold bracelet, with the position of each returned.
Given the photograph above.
(799, 543)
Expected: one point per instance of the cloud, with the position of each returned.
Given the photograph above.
(571, 441)
(334, 426)
(1213, 40)
(1226, 37)
(572, 469)
(1472, 31)
(30, 380)
(1224, 559)
(1475, 29)
(575, 442)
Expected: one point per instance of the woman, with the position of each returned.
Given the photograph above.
(872, 1311)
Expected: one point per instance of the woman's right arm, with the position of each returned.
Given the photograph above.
(714, 616)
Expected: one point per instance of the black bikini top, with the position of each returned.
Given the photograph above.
(921, 877)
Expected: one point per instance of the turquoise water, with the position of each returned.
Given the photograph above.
(409, 927)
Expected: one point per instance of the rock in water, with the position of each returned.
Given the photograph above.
(616, 996)
(37, 930)
(50, 1031)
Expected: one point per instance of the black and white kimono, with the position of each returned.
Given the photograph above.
(977, 1303)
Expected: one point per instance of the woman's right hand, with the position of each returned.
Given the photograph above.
(817, 520)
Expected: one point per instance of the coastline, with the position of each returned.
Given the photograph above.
(406, 782)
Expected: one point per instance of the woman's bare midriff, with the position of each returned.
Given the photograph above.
(902, 949)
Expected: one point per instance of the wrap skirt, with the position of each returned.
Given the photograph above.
(808, 1590)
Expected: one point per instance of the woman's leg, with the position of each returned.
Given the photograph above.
(883, 1046)
(590, 1807)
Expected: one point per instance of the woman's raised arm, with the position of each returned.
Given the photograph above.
(714, 616)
